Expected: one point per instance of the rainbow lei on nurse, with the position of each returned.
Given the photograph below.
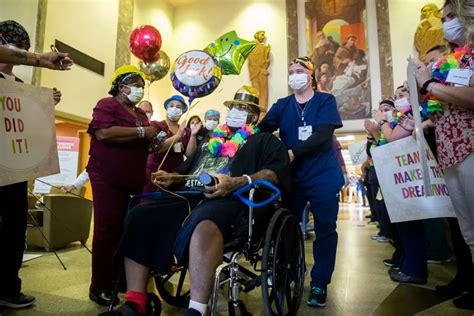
(440, 72)
(220, 146)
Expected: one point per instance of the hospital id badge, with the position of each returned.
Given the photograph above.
(460, 77)
(177, 147)
(304, 132)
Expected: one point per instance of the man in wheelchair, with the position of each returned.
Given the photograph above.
(157, 230)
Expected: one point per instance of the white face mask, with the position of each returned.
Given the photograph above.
(210, 125)
(174, 113)
(136, 94)
(298, 81)
(454, 31)
(236, 118)
(402, 103)
(149, 115)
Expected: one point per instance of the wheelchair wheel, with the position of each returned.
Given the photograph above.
(154, 305)
(174, 287)
(283, 265)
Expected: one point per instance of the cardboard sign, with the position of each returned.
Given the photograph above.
(27, 132)
(399, 172)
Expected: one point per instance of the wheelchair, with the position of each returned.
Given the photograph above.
(269, 256)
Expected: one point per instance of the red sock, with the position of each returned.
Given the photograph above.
(139, 298)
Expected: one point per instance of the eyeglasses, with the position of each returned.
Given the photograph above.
(242, 106)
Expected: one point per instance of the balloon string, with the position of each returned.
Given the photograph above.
(148, 90)
(176, 195)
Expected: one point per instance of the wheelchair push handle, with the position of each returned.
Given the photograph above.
(273, 190)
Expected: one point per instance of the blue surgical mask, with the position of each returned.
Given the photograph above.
(136, 94)
(174, 113)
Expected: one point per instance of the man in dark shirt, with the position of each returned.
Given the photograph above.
(155, 230)
(13, 197)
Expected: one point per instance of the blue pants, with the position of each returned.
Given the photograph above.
(324, 208)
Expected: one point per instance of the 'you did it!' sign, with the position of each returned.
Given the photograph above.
(399, 171)
(27, 133)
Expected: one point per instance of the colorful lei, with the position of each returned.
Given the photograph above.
(440, 71)
(220, 146)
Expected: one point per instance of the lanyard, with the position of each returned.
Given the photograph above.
(302, 111)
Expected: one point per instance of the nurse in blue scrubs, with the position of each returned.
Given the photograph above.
(307, 120)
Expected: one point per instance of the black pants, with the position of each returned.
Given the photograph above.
(13, 214)
(462, 252)
(413, 248)
(371, 196)
(386, 227)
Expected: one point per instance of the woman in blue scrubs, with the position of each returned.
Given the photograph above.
(307, 120)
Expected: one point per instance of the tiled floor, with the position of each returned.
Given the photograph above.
(360, 284)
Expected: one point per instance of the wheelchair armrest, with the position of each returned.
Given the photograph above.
(274, 193)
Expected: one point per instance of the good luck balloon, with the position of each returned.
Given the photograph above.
(158, 69)
(145, 43)
(195, 74)
(231, 52)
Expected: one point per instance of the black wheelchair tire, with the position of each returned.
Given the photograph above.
(154, 305)
(175, 299)
(283, 234)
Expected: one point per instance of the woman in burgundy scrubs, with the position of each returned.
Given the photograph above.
(181, 138)
(120, 137)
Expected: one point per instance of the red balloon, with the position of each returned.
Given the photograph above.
(145, 42)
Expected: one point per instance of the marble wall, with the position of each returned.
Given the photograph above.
(124, 28)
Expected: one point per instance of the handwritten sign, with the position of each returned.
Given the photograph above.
(401, 177)
(27, 132)
(358, 152)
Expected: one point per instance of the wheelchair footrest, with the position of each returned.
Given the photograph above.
(251, 284)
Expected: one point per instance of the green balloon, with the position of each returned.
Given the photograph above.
(231, 52)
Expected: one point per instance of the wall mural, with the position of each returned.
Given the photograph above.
(336, 40)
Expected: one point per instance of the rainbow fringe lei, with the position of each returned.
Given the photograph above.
(220, 146)
(440, 72)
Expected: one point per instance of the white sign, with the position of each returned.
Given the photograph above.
(68, 152)
(399, 172)
(27, 132)
(358, 152)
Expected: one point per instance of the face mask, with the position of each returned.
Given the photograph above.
(402, 103)
(148, 115)
(236, 118)
(454, 31)
(389, 116)
(210, 125)
(174, 113)
(298, 81)
(136, 94)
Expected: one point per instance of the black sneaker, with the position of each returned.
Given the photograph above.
(128, 309)
(19, 301)
(390, 262)
(465, 302)
(192, 312)
(317, 297)
(453, 288)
